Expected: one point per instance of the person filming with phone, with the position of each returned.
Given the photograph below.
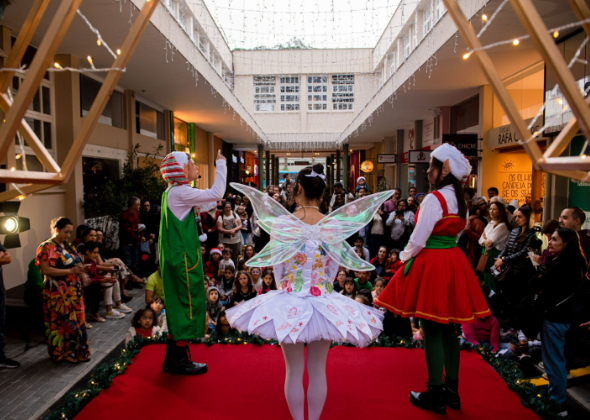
(402, 224)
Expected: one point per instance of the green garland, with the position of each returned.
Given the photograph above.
(102, 377)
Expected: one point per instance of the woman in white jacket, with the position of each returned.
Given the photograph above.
(494, 238)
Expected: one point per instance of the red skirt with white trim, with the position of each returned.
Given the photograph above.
(440, 286)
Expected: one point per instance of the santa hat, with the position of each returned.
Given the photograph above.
(459, 164)
(359, 179)
(174, 168)
(215, 251)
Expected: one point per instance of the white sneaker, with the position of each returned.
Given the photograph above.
(114, 315)
(562, 414)
(124, 309)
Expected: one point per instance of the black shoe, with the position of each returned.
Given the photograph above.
(431, 399)
(178, 361)
(126, 299)
(451, 393)
(9, 363)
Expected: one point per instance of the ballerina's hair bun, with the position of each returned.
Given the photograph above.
(312, 179)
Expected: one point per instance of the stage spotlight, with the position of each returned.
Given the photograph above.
(11, 224)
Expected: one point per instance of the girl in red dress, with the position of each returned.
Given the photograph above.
(437, 283)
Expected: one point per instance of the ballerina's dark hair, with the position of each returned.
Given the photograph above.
(313, 186)
(457, 186)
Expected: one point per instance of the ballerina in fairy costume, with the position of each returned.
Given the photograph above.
(437, 284)
(305, 251)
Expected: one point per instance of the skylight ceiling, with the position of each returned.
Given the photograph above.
(262, 24)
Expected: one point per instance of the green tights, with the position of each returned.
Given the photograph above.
(442, 350)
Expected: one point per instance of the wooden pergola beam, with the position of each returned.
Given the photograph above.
(554, 60)
(26, 189)
(57, 29)
(487, 66)
(23, 40)
(107, 88)
(582, 12)
(565, 163)
(27, 177)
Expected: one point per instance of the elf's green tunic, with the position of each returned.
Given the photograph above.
(181, 266)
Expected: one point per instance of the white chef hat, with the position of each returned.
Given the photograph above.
(460, 166)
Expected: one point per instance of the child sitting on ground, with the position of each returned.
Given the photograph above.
(212, 266)
(393, 264)
(226, 286)
(483, 331)
(268, 282)
(378, 288)
(144, 324)
(214, 307)
(362, 281)
(158, 307)
(340, 279)
(350, 288)
(226, 261)
(244, 289)
(256, 278)
(359, 245)
(223, 328)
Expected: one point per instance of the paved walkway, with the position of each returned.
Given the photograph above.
(27, 392)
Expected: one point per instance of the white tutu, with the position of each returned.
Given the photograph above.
(290, 318)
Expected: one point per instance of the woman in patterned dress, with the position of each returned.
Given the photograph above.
(63, 304)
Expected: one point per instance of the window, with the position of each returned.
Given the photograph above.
(317, 93)
(393, 62)
(439, 10)
(427, 18)
(149, 121)
(113, 113)
(264, 93)
(289, 93)
(203, 44)
(407, 45)
(40, 115)
(342, 92)
(182, 16)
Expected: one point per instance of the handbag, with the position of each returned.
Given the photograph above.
(501, 275)
(483, 262)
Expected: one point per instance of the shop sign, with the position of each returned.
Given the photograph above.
(389, 158)
(420, 156)
(411, 137)
(466, 143)
(507, 135)
(428, 133)
(406, 157)
(301, 163)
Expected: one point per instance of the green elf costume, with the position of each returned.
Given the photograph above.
(180, 257)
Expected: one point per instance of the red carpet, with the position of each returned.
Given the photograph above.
(246, 382)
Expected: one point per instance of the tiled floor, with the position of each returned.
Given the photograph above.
(27, 392)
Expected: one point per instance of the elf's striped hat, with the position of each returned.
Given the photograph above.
(174, 168)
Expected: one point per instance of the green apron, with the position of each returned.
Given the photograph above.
(181, 266)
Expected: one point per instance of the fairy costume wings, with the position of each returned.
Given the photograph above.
(289, 234)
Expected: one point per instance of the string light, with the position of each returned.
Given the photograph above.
(484, 17)
(118, 51)
(466, 56)
(18, 156)
(56, 65)
(516, 42)
(98, 42)
(13, 169)
(555, 34)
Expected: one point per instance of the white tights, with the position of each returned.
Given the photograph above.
(317, 352)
